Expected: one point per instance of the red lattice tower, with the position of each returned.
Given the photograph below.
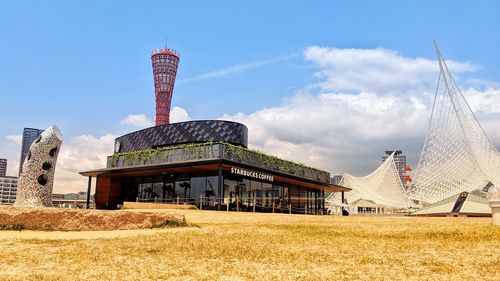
(165, 62)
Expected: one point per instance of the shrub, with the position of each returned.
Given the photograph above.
(171, 223)
(14, 226)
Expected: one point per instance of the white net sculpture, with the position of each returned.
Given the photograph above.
(383, 186)
(457, 155)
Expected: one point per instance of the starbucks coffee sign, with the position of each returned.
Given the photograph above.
(252, 174)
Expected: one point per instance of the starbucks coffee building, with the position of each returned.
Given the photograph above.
(206, 163)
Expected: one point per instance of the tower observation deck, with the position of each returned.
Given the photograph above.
(165, 62)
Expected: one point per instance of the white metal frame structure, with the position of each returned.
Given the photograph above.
(457, 155)
(383, 186)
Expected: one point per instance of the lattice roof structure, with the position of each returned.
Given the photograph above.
(383, 186)
(457, 155)
(474, 204)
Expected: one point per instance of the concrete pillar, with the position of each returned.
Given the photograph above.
(89, 187)
(494, 201)
(220, 188)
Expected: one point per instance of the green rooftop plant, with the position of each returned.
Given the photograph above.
(205, 150)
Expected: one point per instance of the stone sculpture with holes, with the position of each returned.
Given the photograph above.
(37, 178)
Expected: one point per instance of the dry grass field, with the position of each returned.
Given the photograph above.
(246, 246)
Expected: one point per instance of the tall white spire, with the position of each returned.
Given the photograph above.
(457, 155)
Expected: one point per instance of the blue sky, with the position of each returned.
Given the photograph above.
(91, 59)
(85, 65)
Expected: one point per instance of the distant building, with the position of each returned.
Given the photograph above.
(8, 190)
(72, 200)
(70, 196)
(336, 179)
(57, 196)
(82, 195)
(3, 167)
(400, 161)
(29, 136)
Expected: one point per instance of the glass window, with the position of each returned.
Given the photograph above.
(277, 192)
(267, 195)
(312, 200)
(244, 192)
(230, 187)
(169, 191)
(295, 200)
(157, 192)
(286, 196)
(212, 190)
(256, 191)
(182, 190)
(198, 186)
(146, 191)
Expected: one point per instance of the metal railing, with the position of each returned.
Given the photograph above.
(165, 50)
(254, 204)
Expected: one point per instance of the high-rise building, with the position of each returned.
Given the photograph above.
(3, 167)
(29, 136)
(8, 190)
(400, 161)
(165, 62)
(335, 179)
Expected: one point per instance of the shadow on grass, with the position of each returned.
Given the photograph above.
(167, 223)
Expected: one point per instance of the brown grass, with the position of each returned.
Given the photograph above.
(245, 246)
(50, 219)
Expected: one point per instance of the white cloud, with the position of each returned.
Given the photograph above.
(137, 120)
(11, 150)
(487, 101)
(17, 139)
(369, 101)
(486, 107)
(236, 68)
(337, 132)
(482, 84)
(79, 154)
(178, 114)
(375, 70)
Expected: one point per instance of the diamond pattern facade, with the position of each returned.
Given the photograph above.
(184, 132)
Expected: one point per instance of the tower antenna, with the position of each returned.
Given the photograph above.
(166, 41)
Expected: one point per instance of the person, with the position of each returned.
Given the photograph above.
(345, 208)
